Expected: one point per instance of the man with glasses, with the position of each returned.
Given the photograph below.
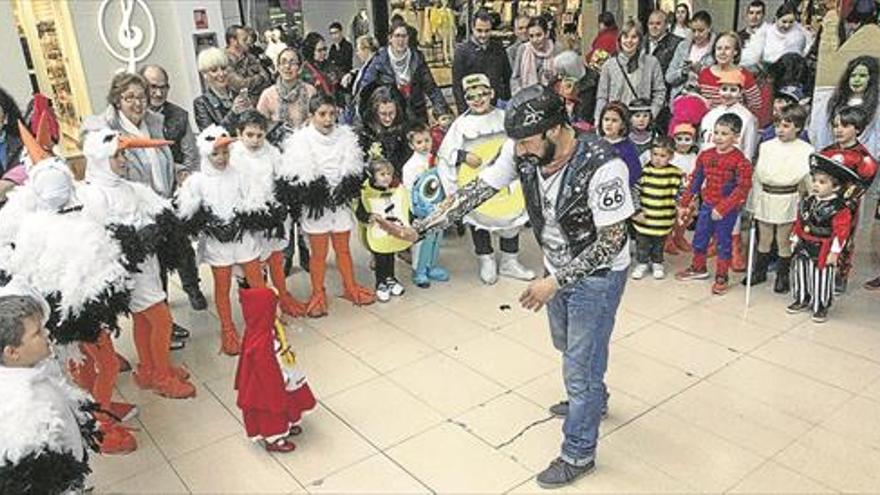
(481, 54)
(341, 52)
(186, 158)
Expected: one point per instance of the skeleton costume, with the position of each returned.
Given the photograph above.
(320, 175)
(47, 426)
(822, 227)
(483, 135)
(146, 228)
(265, 215)
(73, 261)
(211, 202)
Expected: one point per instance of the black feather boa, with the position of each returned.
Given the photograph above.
(317, 196)
(174, 241)
(96, 314)
(50, 472)
(268, 221)
(205, 221)
(44, 473)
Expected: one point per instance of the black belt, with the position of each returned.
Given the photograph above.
(771, 189)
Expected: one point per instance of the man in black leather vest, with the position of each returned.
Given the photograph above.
(578, 200)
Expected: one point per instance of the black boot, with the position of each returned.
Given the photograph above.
(759, 273)
(782, 284)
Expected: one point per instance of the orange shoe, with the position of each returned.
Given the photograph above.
(360, 296)
(116, 439)
(290, 306)
(143, 377)
(180, 372)
(123, 410)
(229, 342)
(173, 387)
(317, 305)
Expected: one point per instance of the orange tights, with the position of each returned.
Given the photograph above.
(152, 336)
(223, 284)
(101, 357)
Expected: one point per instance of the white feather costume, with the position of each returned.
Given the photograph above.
(260, 171)
(47, 424)
(209, 201)
(113, 201)
(70, 259)
(320, 175)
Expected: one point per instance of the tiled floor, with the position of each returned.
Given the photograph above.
(446, 390)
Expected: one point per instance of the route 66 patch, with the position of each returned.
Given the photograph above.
(611, 194)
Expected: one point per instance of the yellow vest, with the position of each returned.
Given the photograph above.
(509, 202)
(391, 204)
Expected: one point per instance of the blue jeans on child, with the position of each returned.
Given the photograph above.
(581, 320)
(721, 229)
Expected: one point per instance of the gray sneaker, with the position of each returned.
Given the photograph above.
(560, 473)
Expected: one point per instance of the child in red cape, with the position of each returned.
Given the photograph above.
(272, 400)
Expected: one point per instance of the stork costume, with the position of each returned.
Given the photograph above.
(272, 393)
(74, 263)
(260, 169)
(47, 423)
(822, 227)
(146, 228)
(210, 202)
(482, 134)
(319, 177)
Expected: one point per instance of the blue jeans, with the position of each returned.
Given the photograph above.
(581, 320)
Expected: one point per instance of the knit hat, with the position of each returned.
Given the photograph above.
(532, 111)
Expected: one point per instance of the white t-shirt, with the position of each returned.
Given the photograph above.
(609, 196)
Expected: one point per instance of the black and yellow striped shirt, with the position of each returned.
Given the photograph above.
(659, 188)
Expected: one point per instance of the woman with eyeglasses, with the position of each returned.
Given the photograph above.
(128, 113)
(317, 69)
(404, 67)
(218, 104)
(287, 101)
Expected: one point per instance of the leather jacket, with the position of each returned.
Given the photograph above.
(210, 109)
(177, 129)
(573, 212)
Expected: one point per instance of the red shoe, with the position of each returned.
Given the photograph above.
(721, 285)
(171, 387)
(281, 445)
(123, 410)
(692, 273)
(116, 439)
(317, 305)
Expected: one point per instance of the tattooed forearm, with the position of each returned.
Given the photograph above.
(457, 206)
(599, 254)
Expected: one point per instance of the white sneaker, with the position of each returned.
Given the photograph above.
(658, 271)
(639, 271)
(511, 267)
(383, 292)
(488, 268)
(394, 287)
